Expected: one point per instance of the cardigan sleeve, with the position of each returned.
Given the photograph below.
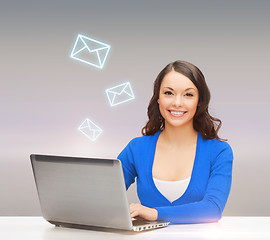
(127, 159)
(210, 208)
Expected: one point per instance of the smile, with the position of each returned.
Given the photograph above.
(176, 113)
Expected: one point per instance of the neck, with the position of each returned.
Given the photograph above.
(176, 136)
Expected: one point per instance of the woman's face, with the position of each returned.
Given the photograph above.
(178, 99)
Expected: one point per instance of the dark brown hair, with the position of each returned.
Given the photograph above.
(203, 122)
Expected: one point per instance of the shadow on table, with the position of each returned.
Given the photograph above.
(177, 231)
(86, 232)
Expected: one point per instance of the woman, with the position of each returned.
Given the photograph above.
(183, 168)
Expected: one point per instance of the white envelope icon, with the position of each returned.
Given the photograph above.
(90, 51)
(120, 94)
(89, 129)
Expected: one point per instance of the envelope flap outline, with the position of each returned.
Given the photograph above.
(90, 130)
(123, 90)
(78, 46)
(88, 124)
(128, 90)
(93, 45)
(120, 89)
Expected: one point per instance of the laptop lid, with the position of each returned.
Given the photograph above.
(82, 191)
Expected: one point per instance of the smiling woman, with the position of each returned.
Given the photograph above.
(183, 168)
(178, 99)
(191, 76)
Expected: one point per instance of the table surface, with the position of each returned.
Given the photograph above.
(227, 228)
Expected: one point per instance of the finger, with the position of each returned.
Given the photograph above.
(133, 206)
(134, 214)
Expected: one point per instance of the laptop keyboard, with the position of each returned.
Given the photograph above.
(139, 222)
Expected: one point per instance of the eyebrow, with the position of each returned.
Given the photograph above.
(185, 89)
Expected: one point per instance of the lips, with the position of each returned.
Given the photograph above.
(177, 113)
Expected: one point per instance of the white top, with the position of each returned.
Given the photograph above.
(172, 190)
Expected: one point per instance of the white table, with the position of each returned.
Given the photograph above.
(36, 228)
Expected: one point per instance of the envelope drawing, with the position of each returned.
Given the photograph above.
(120, 94)
(90, 51)
(89, 129)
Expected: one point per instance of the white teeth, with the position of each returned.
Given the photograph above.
(177, 113)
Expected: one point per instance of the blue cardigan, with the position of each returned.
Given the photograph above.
(208, 189)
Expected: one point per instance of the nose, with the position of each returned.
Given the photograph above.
(178, 101)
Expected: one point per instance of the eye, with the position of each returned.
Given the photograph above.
(189, 94)
(168, 93)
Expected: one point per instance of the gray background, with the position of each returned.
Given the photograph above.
(45, 95)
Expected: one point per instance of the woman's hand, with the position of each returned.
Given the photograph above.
(138, 210)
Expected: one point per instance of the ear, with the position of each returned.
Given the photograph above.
(158, 101)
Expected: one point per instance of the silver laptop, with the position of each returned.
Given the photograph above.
(81, 192)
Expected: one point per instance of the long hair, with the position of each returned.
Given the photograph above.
(203, 122)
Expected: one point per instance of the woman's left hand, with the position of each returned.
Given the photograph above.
(138, 210)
